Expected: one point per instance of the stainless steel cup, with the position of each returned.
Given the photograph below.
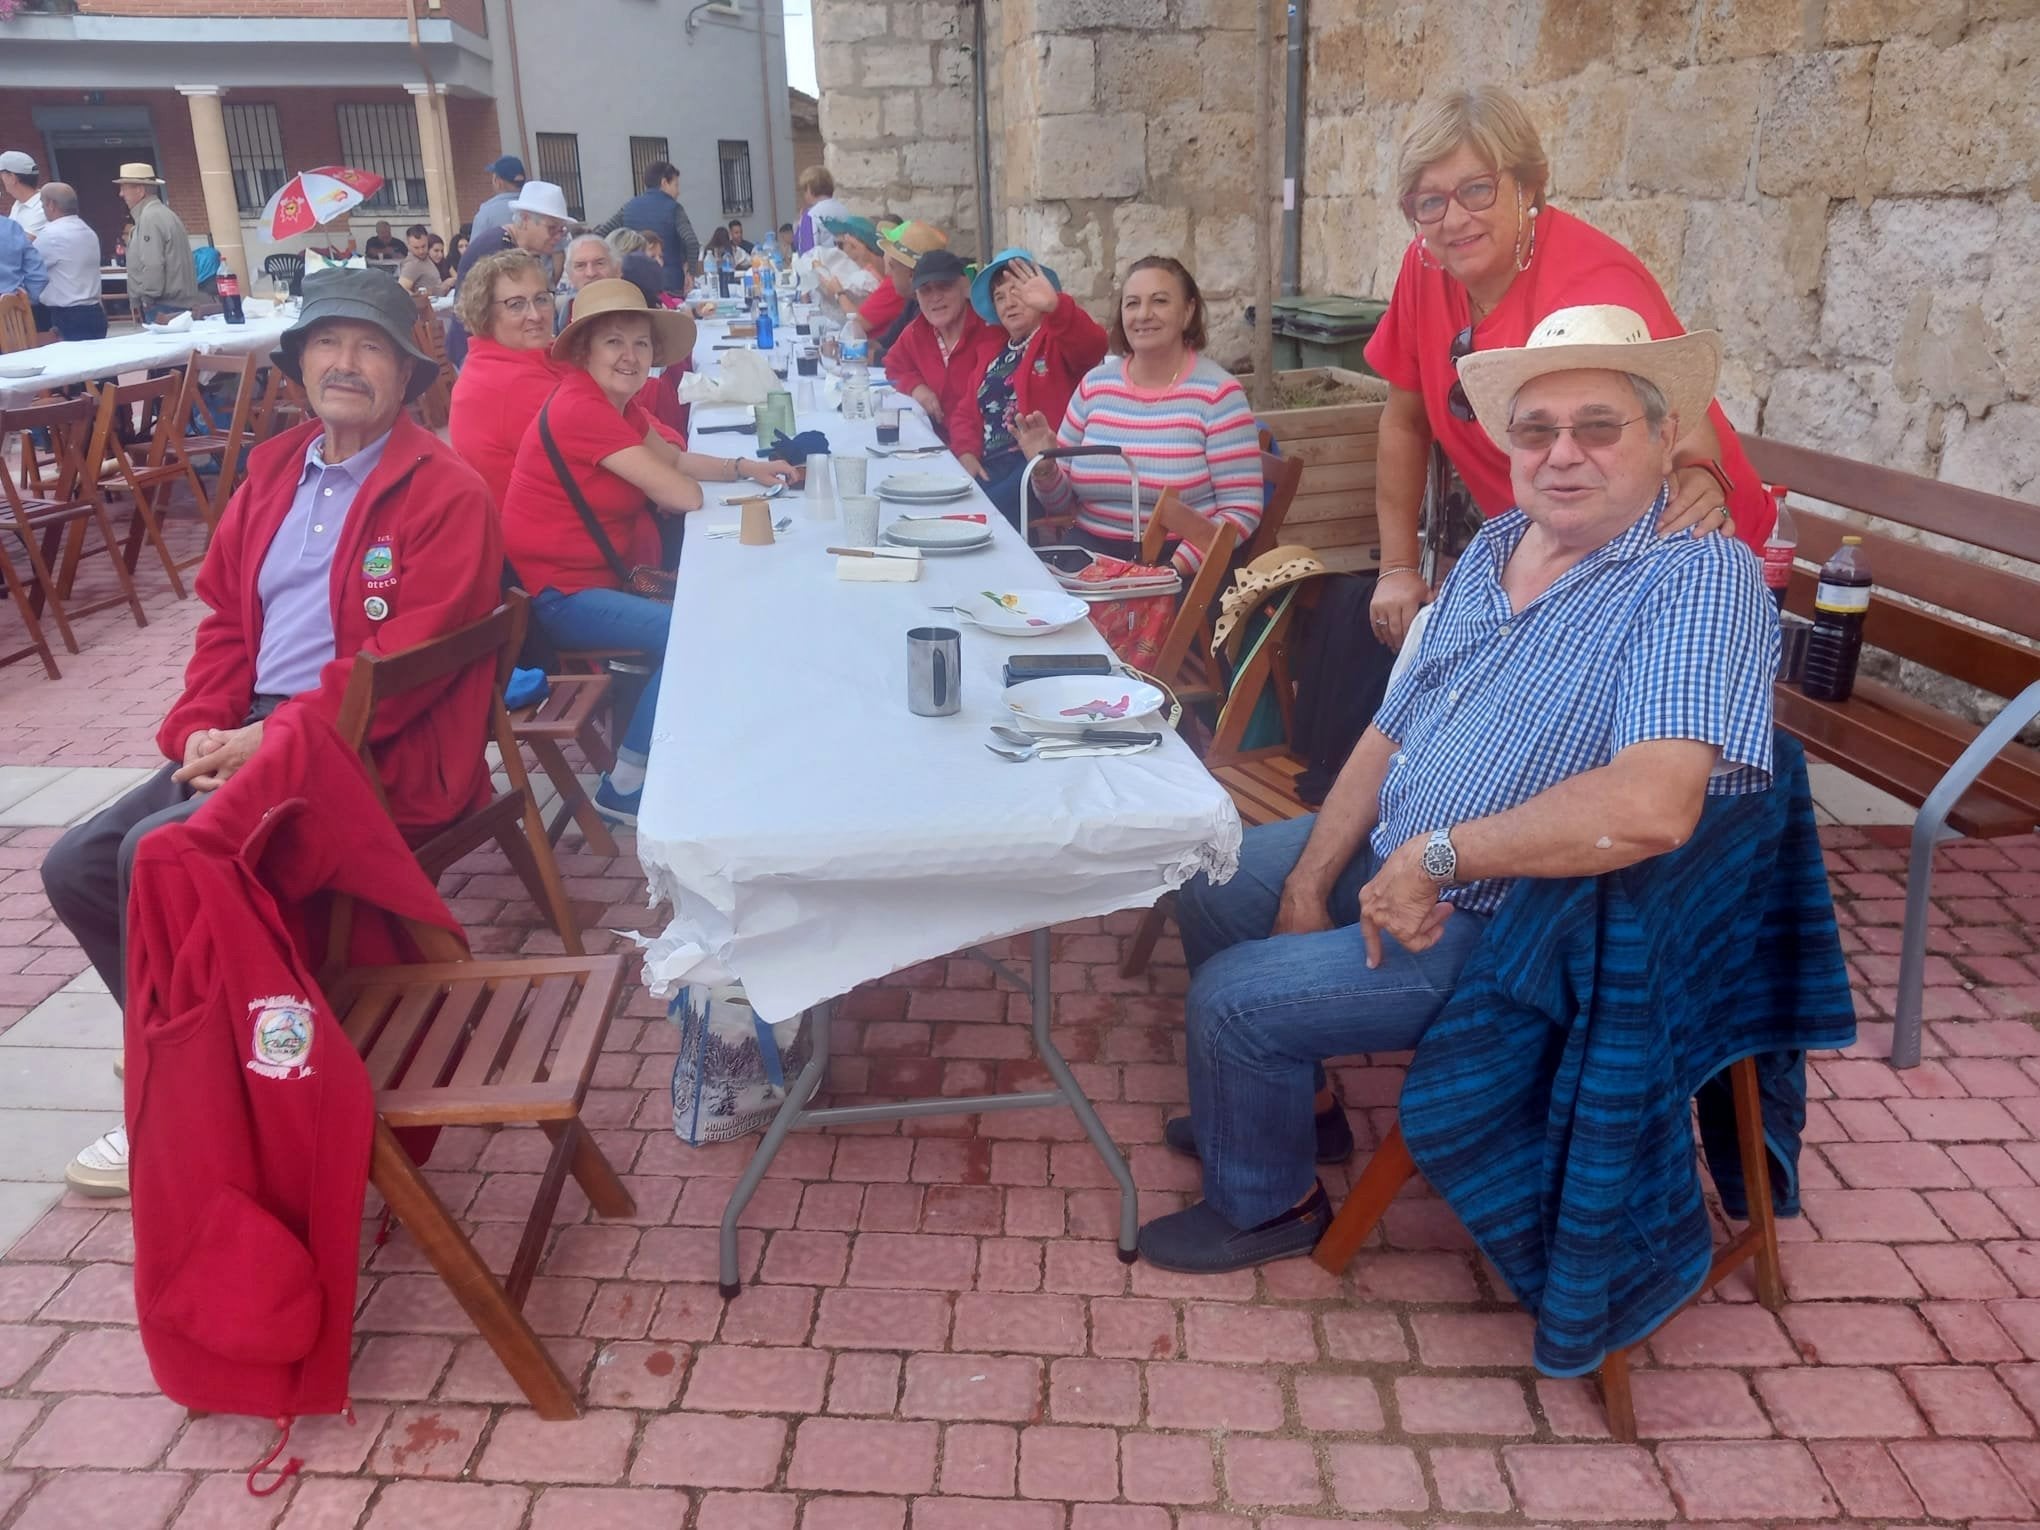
(934, 671)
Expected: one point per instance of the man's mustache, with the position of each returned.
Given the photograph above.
(350, 382)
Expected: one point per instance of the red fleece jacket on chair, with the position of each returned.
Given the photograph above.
(422, 548)
(249, 1110)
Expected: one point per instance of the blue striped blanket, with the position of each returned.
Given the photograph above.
(1550, 1104)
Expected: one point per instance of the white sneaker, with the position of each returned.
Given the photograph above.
(102, 1169)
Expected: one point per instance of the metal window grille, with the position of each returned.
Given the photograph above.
(382, 136)
(559, 161)
(735, 157)
(645, 152)
(254, 153)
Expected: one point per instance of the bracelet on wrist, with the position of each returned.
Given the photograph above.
(1395, 568)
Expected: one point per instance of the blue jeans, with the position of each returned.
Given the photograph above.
(1263, 1014)
(613, 619)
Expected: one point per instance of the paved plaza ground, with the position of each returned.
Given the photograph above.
(936, 1332)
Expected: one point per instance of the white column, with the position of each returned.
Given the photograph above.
(432, 149)
(216, 176)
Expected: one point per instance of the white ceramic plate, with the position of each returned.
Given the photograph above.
(925, 488)
(1072, 703)
(19, 369)
(937, 552)
(1026, 613)
(911, 532)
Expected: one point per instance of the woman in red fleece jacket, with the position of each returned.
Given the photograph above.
(1050, 344)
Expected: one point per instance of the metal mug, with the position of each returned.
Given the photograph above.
(934, 671)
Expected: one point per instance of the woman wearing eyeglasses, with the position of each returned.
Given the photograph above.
(506, 304)
(1490, 258)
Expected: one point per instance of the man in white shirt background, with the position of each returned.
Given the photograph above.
(20, 179)
(70, 255)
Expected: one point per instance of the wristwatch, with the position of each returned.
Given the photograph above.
(1441, 861)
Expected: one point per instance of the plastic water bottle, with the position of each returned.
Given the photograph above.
(1779, 549)
(1836, 642)
(765, 327)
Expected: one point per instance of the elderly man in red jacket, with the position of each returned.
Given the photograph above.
(357, 532)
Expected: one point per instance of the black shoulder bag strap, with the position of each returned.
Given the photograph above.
(559, 466)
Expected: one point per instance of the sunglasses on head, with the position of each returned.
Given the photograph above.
(1457, 401)
(1476, 193)
(1590, 435)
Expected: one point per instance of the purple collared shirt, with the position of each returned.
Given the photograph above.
(295, 585)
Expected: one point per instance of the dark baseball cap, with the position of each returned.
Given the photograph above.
(509, 167)
(940, 266)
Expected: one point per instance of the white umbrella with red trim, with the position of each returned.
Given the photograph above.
(313, 197)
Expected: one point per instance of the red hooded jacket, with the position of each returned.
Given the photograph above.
(250, 1111)
(422, 546)
(916, 360)
(1064, 346)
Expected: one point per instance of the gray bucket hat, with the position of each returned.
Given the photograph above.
(371, 296)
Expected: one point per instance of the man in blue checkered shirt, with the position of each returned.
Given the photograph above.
(1582, 685)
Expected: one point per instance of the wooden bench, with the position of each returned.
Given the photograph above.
(1333, 511)
(1949, 611)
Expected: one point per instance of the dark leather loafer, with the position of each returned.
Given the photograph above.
(1334, 1135)
(1198, 1241)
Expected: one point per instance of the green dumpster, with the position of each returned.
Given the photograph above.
(1327, 331)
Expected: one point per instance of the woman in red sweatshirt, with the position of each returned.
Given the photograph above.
(1050, 344)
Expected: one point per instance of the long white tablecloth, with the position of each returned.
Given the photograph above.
(810, 832)
(73, 361)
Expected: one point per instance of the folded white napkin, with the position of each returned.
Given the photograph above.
(741, 377)
(176, 325)
(878, 570)
(1076, 748)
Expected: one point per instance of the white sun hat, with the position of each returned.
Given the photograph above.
(1597, 337)
(543, 198)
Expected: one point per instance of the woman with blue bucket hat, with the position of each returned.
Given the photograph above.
(1050, 344)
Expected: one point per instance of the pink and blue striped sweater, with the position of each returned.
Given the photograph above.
(1197, 436)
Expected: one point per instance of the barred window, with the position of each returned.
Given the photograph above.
(382, 136)
(559, 161)
(735, 157)
(254, 153)
(644, 153)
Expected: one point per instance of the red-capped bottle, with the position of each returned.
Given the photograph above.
(1779, 549)
(229, 287)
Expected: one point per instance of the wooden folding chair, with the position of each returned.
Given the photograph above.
(17, 323)
(1260, 781)
(280, 406)
(511, 819)
(1184, 663)
(206, 437)
(570, 712)
(1280, 477)
(1391, 1167)
(141, 434)
(434, 407)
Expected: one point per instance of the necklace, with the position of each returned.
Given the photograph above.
(1182, 366)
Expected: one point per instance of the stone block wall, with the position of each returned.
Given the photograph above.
(1844, 188)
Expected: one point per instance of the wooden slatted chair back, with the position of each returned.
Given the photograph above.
(17, 323)
(1181, 660)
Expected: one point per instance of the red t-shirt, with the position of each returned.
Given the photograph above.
(880, 309)
(494, 402)
(543, 536)
(1574, 264)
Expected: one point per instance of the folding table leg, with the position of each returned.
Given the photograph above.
(1129, 1198)
(729, 1280)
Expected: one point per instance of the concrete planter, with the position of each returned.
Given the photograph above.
(1333, 513)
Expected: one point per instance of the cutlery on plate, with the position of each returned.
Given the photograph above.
(1079, 747)
(1020, 738)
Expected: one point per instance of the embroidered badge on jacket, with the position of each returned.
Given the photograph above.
(280, 1040)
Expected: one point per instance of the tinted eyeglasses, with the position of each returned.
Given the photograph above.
(1591, 435)
(1457, 401)
(1475, 194)
(520, 304)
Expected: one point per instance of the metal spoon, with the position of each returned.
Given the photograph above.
(1022, 739)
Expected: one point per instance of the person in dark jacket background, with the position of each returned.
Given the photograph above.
(657, 210)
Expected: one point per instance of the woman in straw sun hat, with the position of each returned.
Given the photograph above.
(591, 475)
(1488, 259)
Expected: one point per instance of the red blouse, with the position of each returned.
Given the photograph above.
(1574, 264)
(543, 536)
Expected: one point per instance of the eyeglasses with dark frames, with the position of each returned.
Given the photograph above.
(1589, 435)
(1476, 193)
(520, 304)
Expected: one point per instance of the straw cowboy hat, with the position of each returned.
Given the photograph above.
(672, 333)
(1275, 569)
(1598, 337)
(137, 173)
(907, 242)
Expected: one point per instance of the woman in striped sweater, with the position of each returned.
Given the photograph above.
(1180, 417)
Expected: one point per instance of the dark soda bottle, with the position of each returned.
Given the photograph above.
(1836, 642)
(229, 287)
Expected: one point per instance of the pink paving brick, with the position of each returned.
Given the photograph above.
(118, 1432)
(428, 1440)
(1004, 1388)
(1758, 1479)
(861, 1383)
(1956, 1120)
(576, 1508)
(1587, 1482)
(1267, 1472)
(1186, 1395)
(1042, 1325)
(1573, 1408)
(1250, 1335)
(979, 1460)
(1094, 1392)
(1720, 1333)
(637, 1375)
(326, 1444)
(1882, 1216)
(1473, 1338)
(1157, 1468)
(593, 1448)
(1462, 1405)
(1469, 1481)
(129, 1500)
(1069, 1463)
(1110, 1516)
(1133, 1328)
(1373, 1479)
(466, 1505)
(1838, 1403)
(1961, 1479)
(1364, 1336)
(746, 1511)
(893, 1320)
(1836, 1271)
(977, 1514)
(806, 1258)
(1955, 1272)
(863, 1456)
(1859, 1333)
(854, 1514)
(1965, 1400)
(404, 1367)
(1969, 1333)
(913, 1261)
(1695, 1404)
(734, 1379)
(709, 1450)
(1866, 1480)
(97, 1360)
